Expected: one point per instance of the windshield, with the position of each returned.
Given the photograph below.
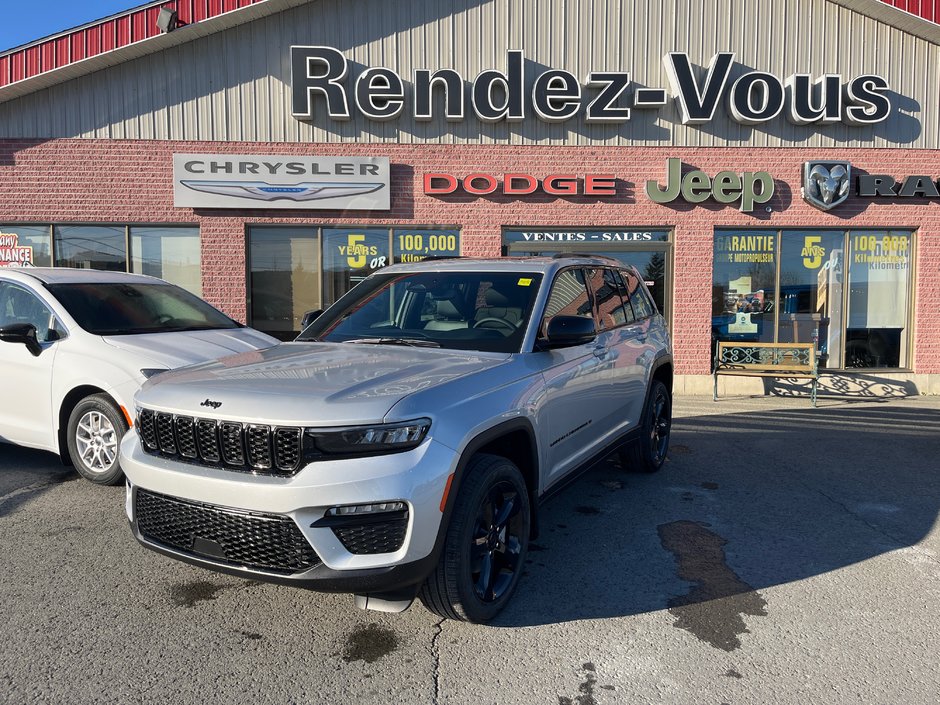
(128, 309)
(485, 311)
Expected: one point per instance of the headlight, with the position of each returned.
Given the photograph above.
(149, 372)
(364, 440)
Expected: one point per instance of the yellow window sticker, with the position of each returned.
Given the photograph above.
(525, 282)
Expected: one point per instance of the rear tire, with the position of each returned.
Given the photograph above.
(96, 427)
(485, 546)
(648, 452)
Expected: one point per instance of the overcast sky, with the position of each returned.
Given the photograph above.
(26, 20)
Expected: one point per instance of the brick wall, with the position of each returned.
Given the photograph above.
(131, 181)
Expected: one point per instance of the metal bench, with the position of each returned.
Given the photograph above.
(789, 360)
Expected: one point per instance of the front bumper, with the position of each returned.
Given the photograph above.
(299, 504)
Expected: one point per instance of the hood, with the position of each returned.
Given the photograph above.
(314, 384)
(172, 350)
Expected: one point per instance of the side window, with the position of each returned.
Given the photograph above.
(606, 288)
(629, 316)
(638, 298)
(18, 305)
(569, 297)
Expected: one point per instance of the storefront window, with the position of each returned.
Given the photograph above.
(91, 247)
(349, 256)
(25, 245)
(416, 245)
(878, 299)
(170, 253)
(647, 250)
(794, 286)
(284, 278)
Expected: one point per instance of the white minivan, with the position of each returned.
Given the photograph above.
(76, 344)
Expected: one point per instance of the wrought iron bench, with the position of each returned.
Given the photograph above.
(790, 360)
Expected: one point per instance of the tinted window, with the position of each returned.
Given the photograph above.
(569, 297)
(606, 286)
(18, 305)
(126, 309)
(642, 307)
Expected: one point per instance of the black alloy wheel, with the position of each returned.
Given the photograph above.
(496, 547)
(648, 453)
(485, 545)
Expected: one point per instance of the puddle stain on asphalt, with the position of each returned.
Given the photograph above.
(369, 643)
(189, 594)
(585, 690)
(713, 609)
(254, 636)
(731, 673)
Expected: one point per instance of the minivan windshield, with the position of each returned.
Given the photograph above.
(129, 309)
(463, 310)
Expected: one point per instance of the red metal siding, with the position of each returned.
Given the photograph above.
(927, 9)
(105, 35)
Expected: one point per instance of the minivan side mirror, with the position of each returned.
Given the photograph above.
(567, 331)
(310, 317)
(24, 333)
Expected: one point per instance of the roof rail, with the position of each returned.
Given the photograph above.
(583, 255)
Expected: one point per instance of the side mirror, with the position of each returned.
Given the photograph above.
(310, 317)
(567, 331)
(24, 333)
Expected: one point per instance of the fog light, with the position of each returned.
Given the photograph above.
(378, 508)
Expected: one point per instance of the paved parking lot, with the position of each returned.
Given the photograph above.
(784, 555)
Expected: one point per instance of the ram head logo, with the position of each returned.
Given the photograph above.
(826, 184)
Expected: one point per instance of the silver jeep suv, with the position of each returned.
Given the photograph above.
(400, 446)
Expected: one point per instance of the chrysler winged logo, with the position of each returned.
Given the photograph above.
(826, 184)
(263, 191)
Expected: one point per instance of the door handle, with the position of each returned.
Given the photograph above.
(599, 350)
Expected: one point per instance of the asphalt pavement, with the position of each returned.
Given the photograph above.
(785, 554)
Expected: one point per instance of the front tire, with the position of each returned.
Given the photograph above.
(485, 547)
(648, 452)
(96, 427)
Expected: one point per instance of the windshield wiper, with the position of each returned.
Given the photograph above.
(412, 342)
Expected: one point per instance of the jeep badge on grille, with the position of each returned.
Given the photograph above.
(213, 404)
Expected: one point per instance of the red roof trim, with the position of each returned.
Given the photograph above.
(105, 35)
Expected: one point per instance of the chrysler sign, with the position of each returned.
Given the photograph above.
(273, 181)
(320, 83)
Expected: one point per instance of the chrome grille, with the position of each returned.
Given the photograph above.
(246, 447)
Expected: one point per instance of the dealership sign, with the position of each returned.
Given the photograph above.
(749, 187)
(483, 184)
(320, 80)
(827, 184)
(13, 254)
(280, 181)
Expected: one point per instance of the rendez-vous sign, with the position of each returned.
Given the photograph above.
(320, 74)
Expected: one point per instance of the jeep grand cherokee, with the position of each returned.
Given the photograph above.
(399, 447)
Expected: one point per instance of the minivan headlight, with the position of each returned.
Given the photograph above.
(382, 438)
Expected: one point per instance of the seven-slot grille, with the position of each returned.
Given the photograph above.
(267, 542)
(250, 447)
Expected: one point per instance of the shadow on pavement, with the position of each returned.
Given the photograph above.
(26, 473)
(747, 500)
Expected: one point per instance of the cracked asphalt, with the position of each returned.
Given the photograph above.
(785, 554)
